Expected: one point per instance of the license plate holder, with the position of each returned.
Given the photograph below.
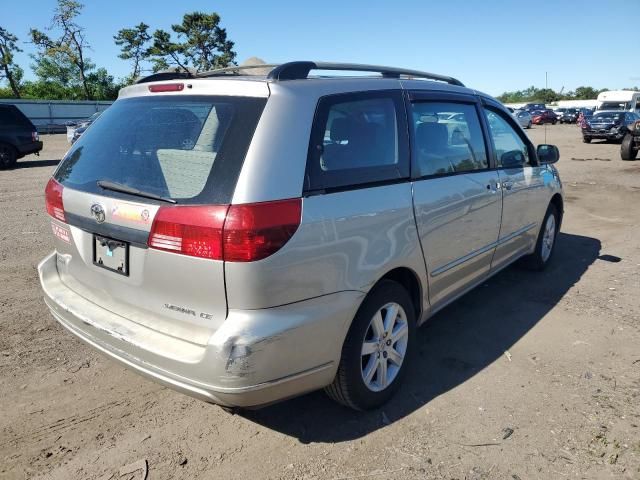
(111, 254)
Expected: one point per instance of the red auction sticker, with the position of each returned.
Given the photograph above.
(62, 233)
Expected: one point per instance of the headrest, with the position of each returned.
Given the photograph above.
(432, 136)
(339, 129)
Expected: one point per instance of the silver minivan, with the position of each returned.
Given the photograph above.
(245, 239)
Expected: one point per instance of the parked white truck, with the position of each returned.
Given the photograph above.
(627, 100)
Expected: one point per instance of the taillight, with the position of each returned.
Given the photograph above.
(255, 231)
(35, 137)
(166, 87)
(236, 233)
(190, 230)
(53, 200)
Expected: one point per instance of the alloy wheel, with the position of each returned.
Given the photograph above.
(384, 347)
(548, 237)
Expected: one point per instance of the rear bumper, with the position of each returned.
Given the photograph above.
(256, 357)
(29, 148)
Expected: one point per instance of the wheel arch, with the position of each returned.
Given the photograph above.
(409, 279)
(558, 202)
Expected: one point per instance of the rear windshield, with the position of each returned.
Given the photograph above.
(189, 149)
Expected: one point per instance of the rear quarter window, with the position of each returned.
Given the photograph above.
(357, 139)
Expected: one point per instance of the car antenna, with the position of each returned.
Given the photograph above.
(546, 83)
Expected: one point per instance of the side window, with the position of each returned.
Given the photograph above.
(510, 150)
(357, 139)
(447, 138)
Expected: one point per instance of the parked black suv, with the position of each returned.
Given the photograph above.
(610, 125)
(18, 136)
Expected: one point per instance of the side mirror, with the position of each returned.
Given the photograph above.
(547, 154)
(512, 159)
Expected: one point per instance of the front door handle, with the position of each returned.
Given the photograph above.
(507, 185)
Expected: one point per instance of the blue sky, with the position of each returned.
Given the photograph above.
(491, 45)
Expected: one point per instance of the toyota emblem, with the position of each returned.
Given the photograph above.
(97, 211)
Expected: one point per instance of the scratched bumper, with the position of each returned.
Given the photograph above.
(256, 357)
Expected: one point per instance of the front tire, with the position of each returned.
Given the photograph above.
(627, 150)
(8, 156)
(586, 139)
(546, 242)
(529, 126)
(377, 349)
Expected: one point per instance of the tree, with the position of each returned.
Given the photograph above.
(201, 44)
(134, 45)
(547, 95)
(8, 69)
(586, 93)
(70, 47)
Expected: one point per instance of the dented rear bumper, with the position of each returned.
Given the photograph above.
(254, 358)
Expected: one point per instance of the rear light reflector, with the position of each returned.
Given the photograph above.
(236, 233)
(166, 87)
(53, 200)
(190, 230)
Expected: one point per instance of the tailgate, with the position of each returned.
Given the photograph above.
(179, 295)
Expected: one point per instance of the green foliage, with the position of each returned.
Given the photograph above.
(547, 95)
(134, 45)
(201, 45)
(8, 69)
(65, 54)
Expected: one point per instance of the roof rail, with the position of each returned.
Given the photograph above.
(301, 69)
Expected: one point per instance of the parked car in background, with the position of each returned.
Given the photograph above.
(559, 112)
(523, 117)
(75, 129)
(18, 136)
(610, 125)
(531, 107)
(539, 117)
(248, 239)
(631, 142)
(570, 115)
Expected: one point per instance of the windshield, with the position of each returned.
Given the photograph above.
(613, 106)
(607, 117)
(188, 149)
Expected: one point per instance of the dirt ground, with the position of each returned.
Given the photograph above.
(532, 375)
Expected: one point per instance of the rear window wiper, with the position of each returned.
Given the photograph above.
(118, 187)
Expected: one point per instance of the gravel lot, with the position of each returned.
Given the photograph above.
(529, 376)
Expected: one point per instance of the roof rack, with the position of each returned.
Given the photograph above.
(234, 70)
(300, 70)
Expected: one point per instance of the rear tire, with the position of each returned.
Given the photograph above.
(546, 242)
(586, 139)
(368, 373)
(627, 150)
(529, 126)
(8, 156)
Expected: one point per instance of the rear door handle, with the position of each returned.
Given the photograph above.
(493, 187)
